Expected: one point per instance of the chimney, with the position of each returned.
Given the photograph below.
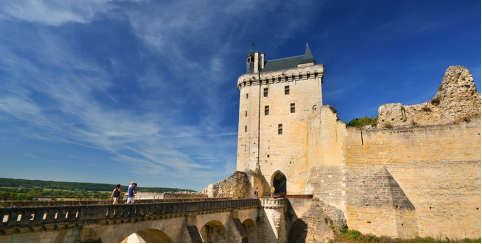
(256, 62)
(262, 61)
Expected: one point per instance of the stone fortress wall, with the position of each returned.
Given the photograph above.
(419, 176)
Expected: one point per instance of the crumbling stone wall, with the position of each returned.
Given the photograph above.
(457, 99)
(235, 186)
(312, 221)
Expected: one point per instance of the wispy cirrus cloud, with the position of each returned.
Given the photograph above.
(55, 12)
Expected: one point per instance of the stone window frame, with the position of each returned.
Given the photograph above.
(280, 129)
(266, 110)
(292, 108)
(265, 92)
(287, 90)
(245, 128)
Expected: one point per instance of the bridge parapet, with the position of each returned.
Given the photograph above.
(272, 202)
(30, 203)
(70, 216)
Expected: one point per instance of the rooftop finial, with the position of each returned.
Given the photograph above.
(252, 47)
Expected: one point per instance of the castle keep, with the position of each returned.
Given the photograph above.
(276, 98)
(416, 172)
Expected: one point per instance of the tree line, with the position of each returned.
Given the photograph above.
(20, 188)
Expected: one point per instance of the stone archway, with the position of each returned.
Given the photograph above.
(148, 236)
(298, 232)
(213, 231)
(279, 182)
(250, 228)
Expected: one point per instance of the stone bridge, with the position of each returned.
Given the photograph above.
(242, 220)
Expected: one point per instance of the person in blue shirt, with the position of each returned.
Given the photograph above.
(130, 192)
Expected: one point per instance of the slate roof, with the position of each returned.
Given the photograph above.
(282, 63)
(308, 57)
(291, 62)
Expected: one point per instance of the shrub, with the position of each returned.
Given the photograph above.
(435, 101)
(414, 123)
(347, 236)
(440, 88)
(426, 109)
(353, 234)
(360, 122)
(466, 119)
(387, 126)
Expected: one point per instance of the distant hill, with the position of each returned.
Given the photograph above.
(78, 186)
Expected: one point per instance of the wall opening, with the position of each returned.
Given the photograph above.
(279, 182)
(298, 232)
(250, 228)
(213, 232)
(148, 236)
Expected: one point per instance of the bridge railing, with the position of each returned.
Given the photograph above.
(61, 215)
(73, 202)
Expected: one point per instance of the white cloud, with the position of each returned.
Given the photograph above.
(57, 88)
(54, 12)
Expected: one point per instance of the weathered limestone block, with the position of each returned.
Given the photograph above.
(458, 95)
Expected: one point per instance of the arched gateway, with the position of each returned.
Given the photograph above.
(279, 182)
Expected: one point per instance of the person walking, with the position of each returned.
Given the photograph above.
(116, 193)
(256, 192)
(130, 192)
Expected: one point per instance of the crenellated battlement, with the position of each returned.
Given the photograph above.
(282, 76)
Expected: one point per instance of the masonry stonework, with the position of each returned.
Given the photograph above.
(419, 176)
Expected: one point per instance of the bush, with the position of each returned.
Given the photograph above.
(435, 101)
(348, 236)
(387, 126)
(353, 234)
(360, 122)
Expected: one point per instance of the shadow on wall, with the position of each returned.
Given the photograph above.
(214, 232)
(316, 223)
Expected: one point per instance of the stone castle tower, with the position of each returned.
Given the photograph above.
(276, 97)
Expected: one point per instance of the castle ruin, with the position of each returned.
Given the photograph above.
(416, 172)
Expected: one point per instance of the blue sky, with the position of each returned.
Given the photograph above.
(113, 91)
